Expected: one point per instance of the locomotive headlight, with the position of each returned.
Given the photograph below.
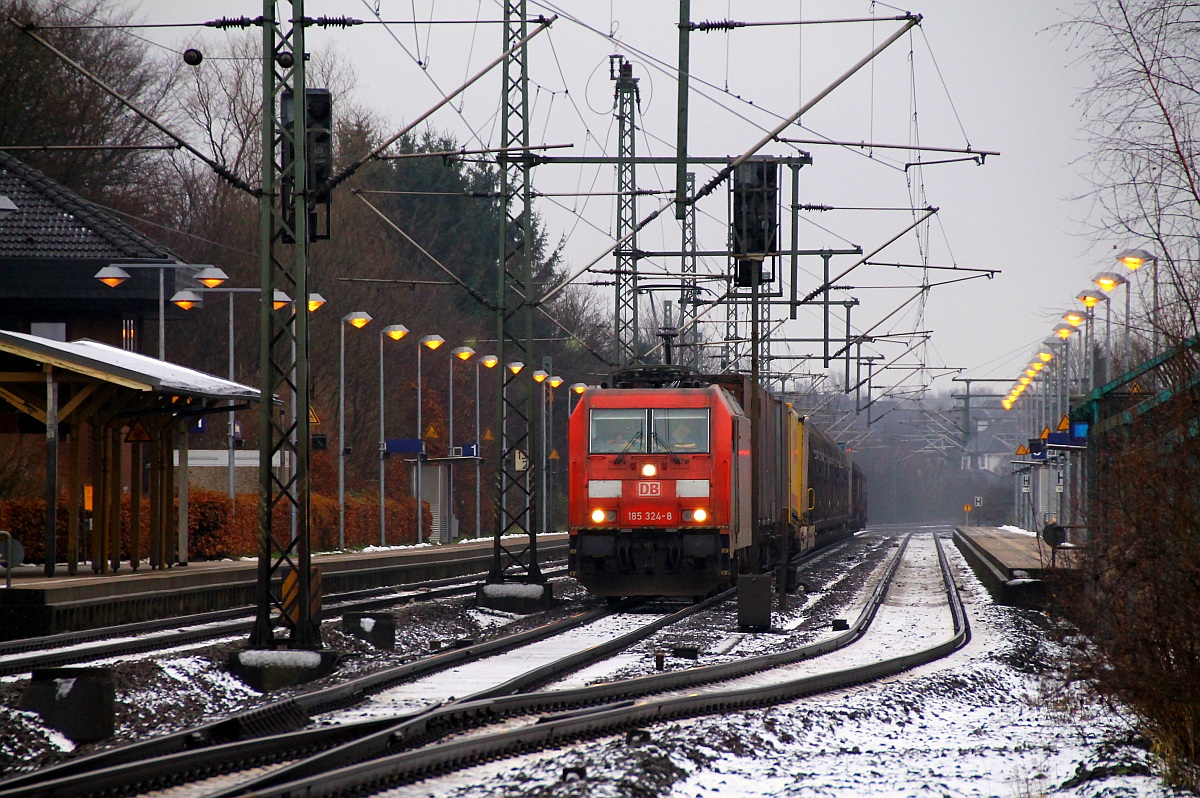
(649, 470)
(700, 515)
(597, 516)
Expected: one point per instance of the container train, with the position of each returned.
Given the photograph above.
(662, 494)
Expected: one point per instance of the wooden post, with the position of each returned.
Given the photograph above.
(74, 496)
(114, 497)
(167, 433)
(135, 505)
(155, 504)
(182, 485)
(51, 472)
(100, 500)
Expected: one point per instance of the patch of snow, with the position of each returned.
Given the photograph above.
(279, 658)
(514, 590)
(367, 624)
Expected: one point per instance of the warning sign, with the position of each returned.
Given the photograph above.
(431, 433)
(137, 433)
(1022, 449)
(487, 435)
(1065, 424)
(1045, 433)
(554, 454)
(313, 418)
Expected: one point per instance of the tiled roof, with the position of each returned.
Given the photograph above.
(55, 223)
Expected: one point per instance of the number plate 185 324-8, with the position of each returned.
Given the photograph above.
(650, 516)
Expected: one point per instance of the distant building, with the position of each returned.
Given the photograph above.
(52, 244)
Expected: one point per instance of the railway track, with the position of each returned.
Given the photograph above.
(613, 708)
(355, 745)
(73, 648)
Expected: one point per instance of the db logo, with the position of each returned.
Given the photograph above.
(649, 489)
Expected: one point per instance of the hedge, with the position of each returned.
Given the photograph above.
(214, 532)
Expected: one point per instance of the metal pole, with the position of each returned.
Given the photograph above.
(448, 513)
(342, 437)
(1155, 321)
(232, 419)
(1108, 358)
(478, 448)
(420, 447)
(542, 488)
(162, 314)
(382, 453)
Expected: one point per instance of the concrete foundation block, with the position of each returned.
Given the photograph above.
(754, 601)
(79, 702)
(267, 670)
(377, 628)
(516, 597)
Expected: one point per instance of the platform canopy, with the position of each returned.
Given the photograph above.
(123, 399)
(119, 367)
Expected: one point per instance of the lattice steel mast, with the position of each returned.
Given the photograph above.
(516, 501)
(283, 344)
(626, 333)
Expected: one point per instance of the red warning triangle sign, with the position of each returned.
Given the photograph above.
(137, 433)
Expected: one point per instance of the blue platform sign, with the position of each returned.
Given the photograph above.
(470, 450)
(405, 446)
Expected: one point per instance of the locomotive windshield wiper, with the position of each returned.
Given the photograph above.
(628, 446)
(658, 439)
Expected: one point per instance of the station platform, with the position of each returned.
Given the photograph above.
(1013, 566)
(37, 605)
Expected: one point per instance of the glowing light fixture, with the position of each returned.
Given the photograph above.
(649, 470)
(187, 300)
(515, 366)
(357, 319)
(211, 277)
(489, 361)
(112, 276)
(539, 376)
(1107, 281)
(432, 341)
(579, 387)
(394, 331)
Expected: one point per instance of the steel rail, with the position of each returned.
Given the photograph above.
(565, 727)
(27, 655)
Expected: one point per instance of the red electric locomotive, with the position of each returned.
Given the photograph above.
(660, 484)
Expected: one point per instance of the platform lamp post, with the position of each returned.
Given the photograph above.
(395, 332)
(487, 361)
(430, 342)
(1134, 259)
(577, 388)
(540, 377)
(357, 319)
(314, 303)
(1090, 299)
(1107, 282)
(1076, 319)
(190, 299)
(463, 353)
(554, 382)
(114, 274)
(514, 367)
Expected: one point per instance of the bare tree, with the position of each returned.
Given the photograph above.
(1143, 120)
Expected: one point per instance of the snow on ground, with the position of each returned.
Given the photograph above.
(469, 678)
(990, 720)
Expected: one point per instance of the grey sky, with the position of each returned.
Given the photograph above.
(1010, 83)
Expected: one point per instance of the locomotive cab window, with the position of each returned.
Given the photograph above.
(680, 430)
(615, 431)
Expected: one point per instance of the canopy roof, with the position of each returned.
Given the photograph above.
(129, 369)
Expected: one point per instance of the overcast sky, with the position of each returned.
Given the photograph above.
(988, 74)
